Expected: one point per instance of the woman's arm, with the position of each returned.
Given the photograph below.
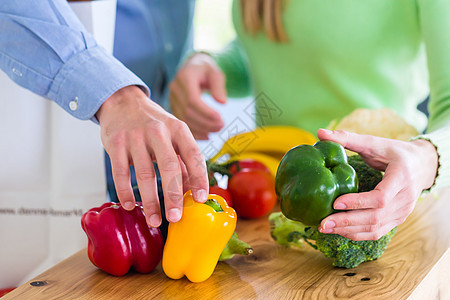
(233, 63)
(435, 26)
(410, 167)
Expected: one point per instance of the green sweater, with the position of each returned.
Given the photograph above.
(348, 54)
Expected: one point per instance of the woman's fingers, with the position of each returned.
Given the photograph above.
(380, 197)
(216, 84)
(365, 200)
(359, 225)
(361, 233)
(370, 224)
(374, 150)
(373, 221)
(198, 74)
(354, 142)
(190, 90)
(191, 108)
(410, 167)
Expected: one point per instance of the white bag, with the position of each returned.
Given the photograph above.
(51, 169)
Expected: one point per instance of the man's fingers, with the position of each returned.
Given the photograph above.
(146, 180)
(121, 174)
(185, 176)
(195, 164)
(170, 171)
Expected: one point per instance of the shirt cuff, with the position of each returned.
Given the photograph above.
(89, 78)
(440, 138)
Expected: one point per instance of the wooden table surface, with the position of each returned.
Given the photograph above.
(416, 265)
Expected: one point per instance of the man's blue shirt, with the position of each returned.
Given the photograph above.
(44, 48)
(152, 38)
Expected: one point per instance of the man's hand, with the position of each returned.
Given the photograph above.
(410, 168)
(136, 131)
(199, 73)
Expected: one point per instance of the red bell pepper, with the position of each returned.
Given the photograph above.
(5, 291)
(121, 239)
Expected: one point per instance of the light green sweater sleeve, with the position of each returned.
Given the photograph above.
(435, 25)
(233, 62)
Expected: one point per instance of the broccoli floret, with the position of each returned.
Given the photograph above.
(286, 232)
(345, 252)
(367, 176)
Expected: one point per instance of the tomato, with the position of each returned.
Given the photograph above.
(244, 164)
(253, 193)
(223, 193)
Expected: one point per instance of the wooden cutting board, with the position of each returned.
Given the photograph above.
(416, 265)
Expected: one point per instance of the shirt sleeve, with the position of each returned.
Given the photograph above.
(45, 49)
(435, 25)
(232, 61)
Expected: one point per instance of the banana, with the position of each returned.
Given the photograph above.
(273, 140)
(270, 162)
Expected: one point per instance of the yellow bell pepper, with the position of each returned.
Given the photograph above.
(194, 243)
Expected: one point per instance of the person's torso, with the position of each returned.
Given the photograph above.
(151, 38)
(340, 55)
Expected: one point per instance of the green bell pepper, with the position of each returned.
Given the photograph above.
(309, 179)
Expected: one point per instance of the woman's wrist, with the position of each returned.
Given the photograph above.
(430, 160)
(197, 53)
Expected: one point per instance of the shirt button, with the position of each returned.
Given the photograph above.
(168, 47)
(17, 72)
(73, 105)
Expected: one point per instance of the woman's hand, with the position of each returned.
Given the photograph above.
(137, 131)
(410, 168)
(199, 73)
